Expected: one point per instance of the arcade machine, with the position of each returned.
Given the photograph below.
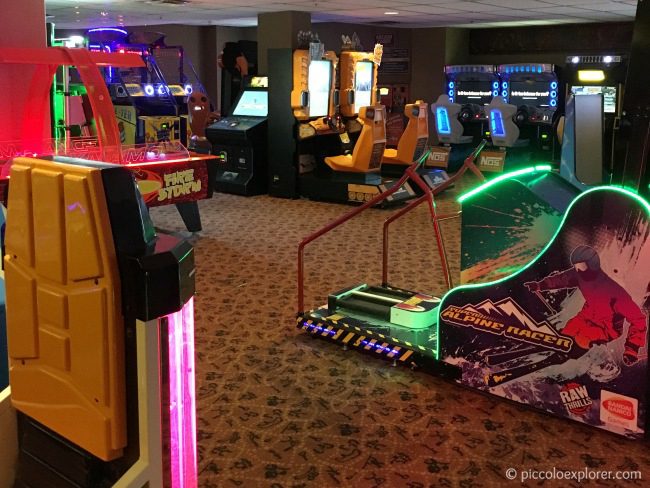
(540, 334)
(166, 172)
(357, 85)
(240, 142)
(69, 108)
(320, 135)
(472, 86)
(148, 106)
(411, 146)
(100, 328)
(535, 90)
(602, 77)
(564, 329)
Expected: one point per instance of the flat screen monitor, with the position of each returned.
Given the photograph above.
(319, 86)
(533, 93)
(253, 103)
(363, 84)
(478, 92)
(608, 92)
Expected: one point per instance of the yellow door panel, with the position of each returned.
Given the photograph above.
(55, 348)
(88, 333)
(20, 240)
(84, 261)
(22, 325)
(49, 245)
(66, 410)
(52, 306)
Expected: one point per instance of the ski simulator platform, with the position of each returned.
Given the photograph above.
(560, 323)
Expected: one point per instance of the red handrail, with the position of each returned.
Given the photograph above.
(344, 218)
(467, 164)
(428, 194)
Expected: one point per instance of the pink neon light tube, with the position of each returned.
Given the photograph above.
(182, 398)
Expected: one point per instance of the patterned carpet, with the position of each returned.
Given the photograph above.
(279, 409)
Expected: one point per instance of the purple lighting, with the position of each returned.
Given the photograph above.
(108, 29)
(182, 404)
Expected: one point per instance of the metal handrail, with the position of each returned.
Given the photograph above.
(428, 194)
(467, 164)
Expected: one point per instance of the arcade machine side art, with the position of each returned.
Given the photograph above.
(507, 220)
(100, 328)
(568, 332)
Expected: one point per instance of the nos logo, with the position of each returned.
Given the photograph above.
(493, 161)
(438, 156)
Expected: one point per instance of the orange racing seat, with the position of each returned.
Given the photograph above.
(414, 139)
(369, 149)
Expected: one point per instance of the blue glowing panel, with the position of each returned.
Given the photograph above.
(442, 121)
(496, 123)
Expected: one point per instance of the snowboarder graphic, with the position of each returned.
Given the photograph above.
(607, 305)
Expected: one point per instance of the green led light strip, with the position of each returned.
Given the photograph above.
(505, 176)
(644, 203)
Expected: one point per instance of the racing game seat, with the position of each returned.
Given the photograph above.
(414, 139)
(369, 149)
(448, 127)
(503, 130)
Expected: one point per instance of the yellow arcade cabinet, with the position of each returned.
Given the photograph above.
(355, 175)
(358, 84)
(100, 332)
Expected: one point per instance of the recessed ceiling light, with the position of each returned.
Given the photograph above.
(391, 12)
(103, 13)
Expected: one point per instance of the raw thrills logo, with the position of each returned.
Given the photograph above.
(576, 398)
(531, 94)
(474, 93)
(507, 318)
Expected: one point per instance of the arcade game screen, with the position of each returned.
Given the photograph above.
(608, 92)
(253, 103)
(535, 93)
(320, 76)
(363, 84)
(476, 92)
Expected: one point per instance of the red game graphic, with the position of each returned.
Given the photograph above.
(166, 172)
(619, 407)
(165, 184)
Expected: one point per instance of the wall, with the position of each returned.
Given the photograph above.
(330, 33)
(551, 44)
(222, 36)
(22, 24)
(278, 30)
